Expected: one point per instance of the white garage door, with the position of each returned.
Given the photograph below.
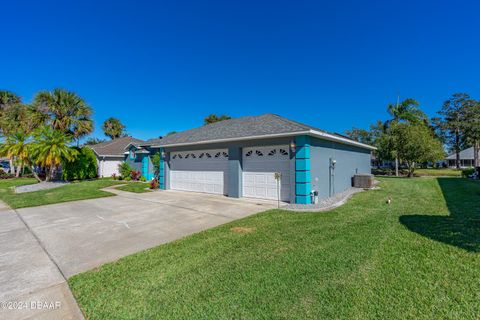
(259, 167)
(108, 167)
(199, 171)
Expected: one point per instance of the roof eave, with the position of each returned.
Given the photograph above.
(313, 133)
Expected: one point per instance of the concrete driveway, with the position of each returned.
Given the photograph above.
(48, 244)
(82, 235)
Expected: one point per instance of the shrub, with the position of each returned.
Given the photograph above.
(467, 172)
(135, 175)
(83, 167)
(114, 176)
(154, 184)
(5, 175)
(128, 179)
(124, 168)
(143, 179)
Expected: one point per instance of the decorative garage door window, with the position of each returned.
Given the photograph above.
(200, 155)
(266, 153)
(259, 167)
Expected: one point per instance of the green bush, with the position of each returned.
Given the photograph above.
(467, 172)
(143, 179)
(124, 169)
(83, 167)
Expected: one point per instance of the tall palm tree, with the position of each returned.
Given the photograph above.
(113, 128)
(405, 111)
(17, 146)
(8, 100)
(67, 111)
(51, 147)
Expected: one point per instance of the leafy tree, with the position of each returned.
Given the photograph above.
(171, 132)
(471, 127)
(51, 148)
(67, 112)
(93, 141)
(113, 128)
(412, 144)
(16, 146)
(451, 123)
(406, 111)
(83, 167)
(212, 118)
(360, 135)
(8, 98)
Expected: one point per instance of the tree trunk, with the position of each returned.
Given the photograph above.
(457, 149)
(396, 167)
(19, 169)
(12, 169)
(35, 174)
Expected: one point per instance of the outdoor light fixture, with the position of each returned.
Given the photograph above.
(293, 146)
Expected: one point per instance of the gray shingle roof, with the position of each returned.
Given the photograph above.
(244, 127)
(464, 155)
(114, 147)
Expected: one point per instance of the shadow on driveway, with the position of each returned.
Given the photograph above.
(462, 227)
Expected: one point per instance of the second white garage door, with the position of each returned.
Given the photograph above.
(259, 167)
(199, 171)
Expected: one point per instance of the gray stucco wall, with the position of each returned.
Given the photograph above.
(349, 161)
(235, 168)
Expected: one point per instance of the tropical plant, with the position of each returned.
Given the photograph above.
(67, 112)
(156, 163)
(154, 184)
(124, 169)
(113, 128)
(405, 111)
(212, 118)
(8, 98)
(51, 148)
(135, 175)
(17, 146)
(83, 167)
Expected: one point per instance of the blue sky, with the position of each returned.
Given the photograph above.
(164, 65)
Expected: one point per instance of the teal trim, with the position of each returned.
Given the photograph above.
(302, 199)
(302, 189)
(145, 167)
(302, 164)
(161, 170)
(302, 170)
(302, 176)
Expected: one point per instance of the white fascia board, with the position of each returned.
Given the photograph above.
(314, 133)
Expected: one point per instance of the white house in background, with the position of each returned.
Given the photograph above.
(111, 153)
(466, 158)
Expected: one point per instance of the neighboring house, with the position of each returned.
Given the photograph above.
(239, 158)
(466, 158)
(111, 153)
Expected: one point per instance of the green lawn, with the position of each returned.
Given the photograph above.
(138, 187)
(447, 172)
(74, 191)
(417, 258)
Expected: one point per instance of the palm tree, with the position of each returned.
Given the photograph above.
(51, 147)
(16, 146)
(67, 111)
(8, 98)
(406, 111)
(113, 128)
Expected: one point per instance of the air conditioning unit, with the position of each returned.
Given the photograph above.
(363, 180)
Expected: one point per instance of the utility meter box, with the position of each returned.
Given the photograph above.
(363, 180)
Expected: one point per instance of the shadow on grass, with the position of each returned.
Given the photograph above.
(462, 227)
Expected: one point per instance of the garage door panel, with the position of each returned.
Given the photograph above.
(259, 167)
(198, 172)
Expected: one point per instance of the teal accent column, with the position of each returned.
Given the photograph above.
(302, 170)
(161, 170)
(145, 166)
